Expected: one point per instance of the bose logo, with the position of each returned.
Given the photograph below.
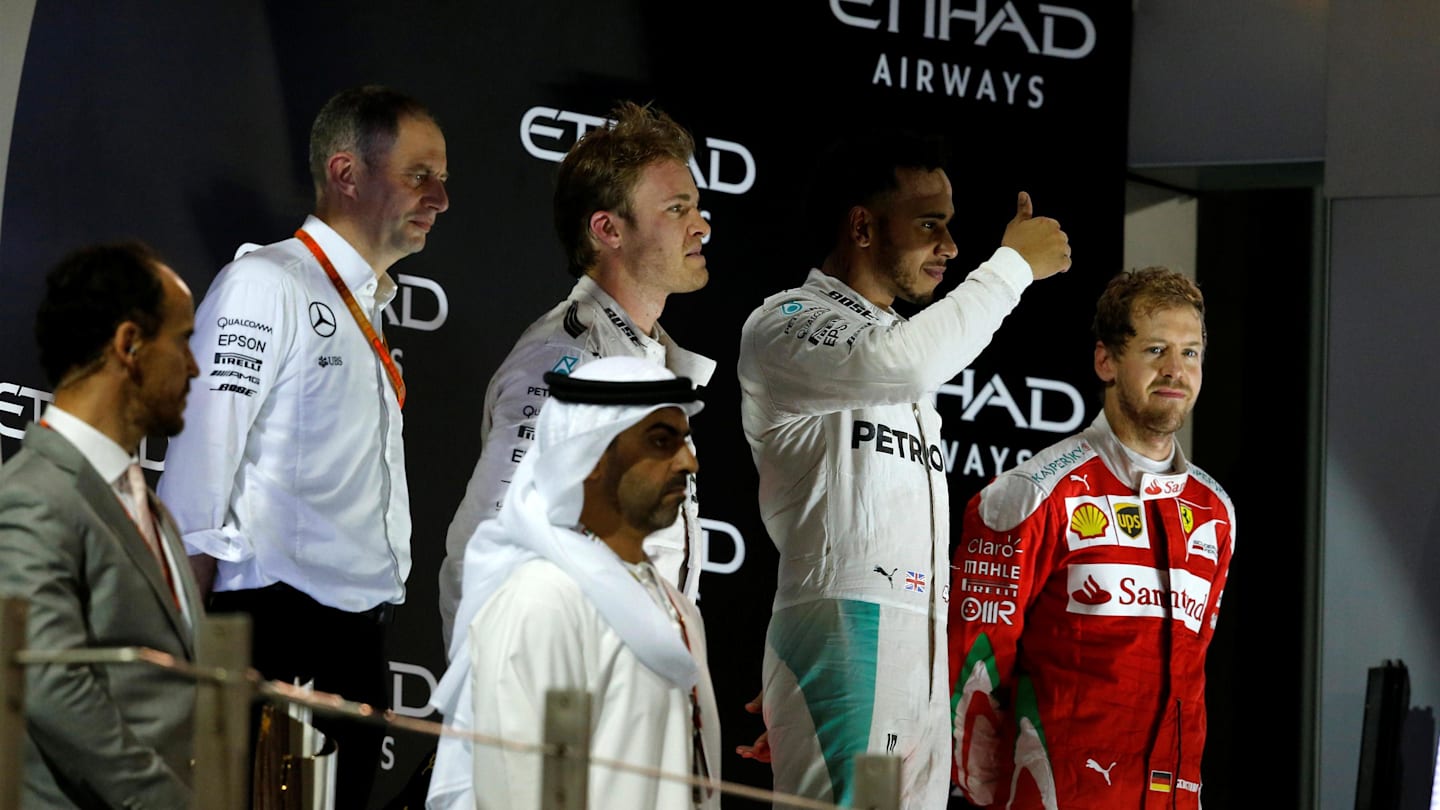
(547, 133)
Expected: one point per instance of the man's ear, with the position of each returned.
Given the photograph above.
(860, 226)
(1104, 363)
(342, 172)
(605, 229)
(126, 340)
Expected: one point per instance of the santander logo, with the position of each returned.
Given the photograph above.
(1091, 593)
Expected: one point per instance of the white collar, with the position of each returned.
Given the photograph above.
(357, 273)
(108, 458)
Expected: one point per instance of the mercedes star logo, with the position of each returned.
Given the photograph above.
(322, 319)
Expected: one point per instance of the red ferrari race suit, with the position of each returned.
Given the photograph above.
(1086, 590)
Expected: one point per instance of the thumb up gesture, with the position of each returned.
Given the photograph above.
(1038, 240)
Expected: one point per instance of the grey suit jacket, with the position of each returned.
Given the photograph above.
(102, 736)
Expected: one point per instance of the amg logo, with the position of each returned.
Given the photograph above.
(233, 359)
(234, 389)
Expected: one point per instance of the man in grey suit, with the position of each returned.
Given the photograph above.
(90, 546)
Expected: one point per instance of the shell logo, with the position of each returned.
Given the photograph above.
(1089, 522)
(1187, 519)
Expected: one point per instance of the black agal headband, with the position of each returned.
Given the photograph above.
(603, 392)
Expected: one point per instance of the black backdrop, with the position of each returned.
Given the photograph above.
(185, 125)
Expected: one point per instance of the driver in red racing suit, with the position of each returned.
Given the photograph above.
(1087, 584)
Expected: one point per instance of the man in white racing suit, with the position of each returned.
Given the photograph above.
(838, 407)
(627, 212)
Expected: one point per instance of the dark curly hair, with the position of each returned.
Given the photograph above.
(88, 294)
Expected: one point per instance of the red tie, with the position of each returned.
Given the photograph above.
(145, 522)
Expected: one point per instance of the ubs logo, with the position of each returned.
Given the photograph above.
(547, 133)
(322, 319)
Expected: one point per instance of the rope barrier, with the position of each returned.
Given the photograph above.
(337, 705)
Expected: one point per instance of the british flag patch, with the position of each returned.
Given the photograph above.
(915, 581)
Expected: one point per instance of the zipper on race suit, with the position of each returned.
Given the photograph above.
(934, 625)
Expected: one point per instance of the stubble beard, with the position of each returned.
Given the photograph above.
(906, 281)
(1158, 421)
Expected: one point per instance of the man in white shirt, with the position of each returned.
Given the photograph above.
(560, 594)
(289, 482)
(838, 405)
(90, 547)
(627, 212)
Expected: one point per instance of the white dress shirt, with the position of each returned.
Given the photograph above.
(291, 466)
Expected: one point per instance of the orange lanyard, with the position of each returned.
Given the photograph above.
(376, 342)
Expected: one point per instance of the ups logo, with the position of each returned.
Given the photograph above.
(1127, 517)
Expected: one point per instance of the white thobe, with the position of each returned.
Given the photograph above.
(539, 632)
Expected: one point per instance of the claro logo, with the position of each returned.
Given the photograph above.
(548, 133)
(1064, 32)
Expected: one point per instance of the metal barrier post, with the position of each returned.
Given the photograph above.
(13, 613)
(222, 716)
(877, 782)
(565, 779)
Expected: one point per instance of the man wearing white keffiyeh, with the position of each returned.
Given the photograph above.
(559, 595)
